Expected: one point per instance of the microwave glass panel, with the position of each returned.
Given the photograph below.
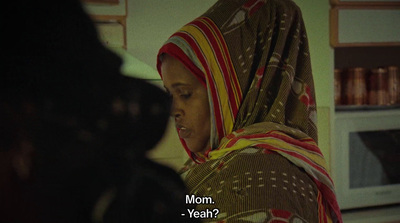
(374, 158)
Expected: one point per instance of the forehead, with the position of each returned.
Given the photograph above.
(174, 72)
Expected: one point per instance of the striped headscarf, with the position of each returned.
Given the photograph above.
(253, 58)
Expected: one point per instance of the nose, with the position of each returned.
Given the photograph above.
(176, 110)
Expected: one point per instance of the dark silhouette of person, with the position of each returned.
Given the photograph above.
(74, 132)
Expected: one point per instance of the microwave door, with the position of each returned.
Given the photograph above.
(374, 158)
(365, 161)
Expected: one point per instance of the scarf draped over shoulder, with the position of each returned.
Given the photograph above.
(253, 58)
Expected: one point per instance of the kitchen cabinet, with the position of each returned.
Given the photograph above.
(110, 18)
(364, 34)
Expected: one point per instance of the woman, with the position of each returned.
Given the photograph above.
(243, 101)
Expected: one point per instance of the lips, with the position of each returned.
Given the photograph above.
(183, 131)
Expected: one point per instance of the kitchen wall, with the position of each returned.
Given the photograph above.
(151, 22)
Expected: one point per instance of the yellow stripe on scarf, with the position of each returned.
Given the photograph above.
(270, 141)
(227, 60)
(219, 81)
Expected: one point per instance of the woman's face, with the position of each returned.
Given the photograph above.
(189, 104)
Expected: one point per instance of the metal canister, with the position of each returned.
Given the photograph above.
(338, 86)
(394, 85)
(359, 86)
(378, 94)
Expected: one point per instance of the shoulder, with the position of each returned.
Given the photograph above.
(252, 157)
(263, 164)
(252, 179)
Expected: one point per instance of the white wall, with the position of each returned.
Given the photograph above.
(151, 22)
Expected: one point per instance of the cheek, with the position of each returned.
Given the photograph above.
(203, 124)
(203, 121)
(199, 117)
(201, 141)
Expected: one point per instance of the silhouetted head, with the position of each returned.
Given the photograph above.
(71, 125)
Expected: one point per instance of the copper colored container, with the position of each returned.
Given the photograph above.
(348, 87)
(394, 85)
(355, 87)
(359, 86)
(378, 94)
(338, 86)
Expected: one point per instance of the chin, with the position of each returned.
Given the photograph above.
(194, 149)
(193, 146)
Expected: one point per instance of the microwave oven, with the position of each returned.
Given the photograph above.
(365, 159)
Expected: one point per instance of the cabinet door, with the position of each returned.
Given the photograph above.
(365, 26)
(110, 19)
(365, 2)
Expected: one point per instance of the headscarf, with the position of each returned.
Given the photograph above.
(253, 58)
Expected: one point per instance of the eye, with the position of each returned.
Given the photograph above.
(185, 95)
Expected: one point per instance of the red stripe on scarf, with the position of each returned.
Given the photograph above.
(178, 54)
(329, 197)
(321, 208)
(219, 48)
(200, 56)
(233, 79)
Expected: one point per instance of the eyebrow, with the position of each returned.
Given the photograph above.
(176, 85)
(179, 85)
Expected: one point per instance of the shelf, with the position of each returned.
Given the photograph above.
(367, 114)
(352, 108)
(368, 57)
